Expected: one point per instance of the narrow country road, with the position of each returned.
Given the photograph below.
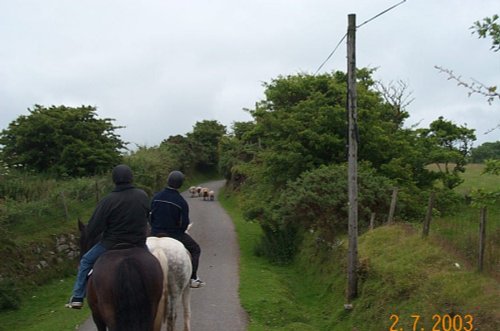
(215, 307)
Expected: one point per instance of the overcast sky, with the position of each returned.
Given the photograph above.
(158, 67)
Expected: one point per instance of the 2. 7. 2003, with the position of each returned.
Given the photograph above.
(440, 322)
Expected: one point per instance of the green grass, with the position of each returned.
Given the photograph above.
(43, 310)
(400, 274)
(42, 307)
(475, 179)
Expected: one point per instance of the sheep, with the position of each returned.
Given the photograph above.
(204, 191)
(211, 195)
(198, 190)
(192, 191)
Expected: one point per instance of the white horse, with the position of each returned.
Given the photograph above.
(176, 264)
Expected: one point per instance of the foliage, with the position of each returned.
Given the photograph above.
(448, 147)
(400, 274)
(150, 166)
(9, 295)
(318, 200)
(488, 150)
(482, 197)
(489, 27)
(492, 167)
(238, 148)
(180, 153)
(302, 124)
(62, 141)
(204, 140)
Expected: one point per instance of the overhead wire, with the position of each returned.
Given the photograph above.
(357, 27)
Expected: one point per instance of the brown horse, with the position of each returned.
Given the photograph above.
(124, 288)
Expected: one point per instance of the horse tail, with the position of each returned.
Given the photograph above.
(133, 307)
(162, 307)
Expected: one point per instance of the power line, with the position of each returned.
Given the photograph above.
(380, 14)
(345, 35)
(331, 54)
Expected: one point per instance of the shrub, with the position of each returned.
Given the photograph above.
(319, 200)
(9, 296)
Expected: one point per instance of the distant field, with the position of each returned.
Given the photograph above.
(461, 230)
(475, 179)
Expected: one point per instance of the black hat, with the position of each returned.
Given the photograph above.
(122, 174)
(175, 179)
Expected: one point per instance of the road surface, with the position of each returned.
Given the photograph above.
(215, 307)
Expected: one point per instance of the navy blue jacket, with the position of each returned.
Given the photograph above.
(169, 213)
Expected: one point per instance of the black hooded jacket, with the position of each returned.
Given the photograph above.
(121, 217)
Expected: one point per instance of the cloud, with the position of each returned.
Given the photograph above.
(157, 67)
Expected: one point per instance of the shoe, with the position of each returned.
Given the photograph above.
(75, 303)
(197, 283)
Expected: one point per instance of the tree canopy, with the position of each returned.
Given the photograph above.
(61, 140)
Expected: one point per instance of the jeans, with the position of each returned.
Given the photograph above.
(86, 264)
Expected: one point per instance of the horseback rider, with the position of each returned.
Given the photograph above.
(170, 218)
(121, 217)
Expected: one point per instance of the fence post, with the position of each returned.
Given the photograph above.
(63, 198)
(428, 215)
(372, 221)
(482, 237)
(96, 191)
(393, 205)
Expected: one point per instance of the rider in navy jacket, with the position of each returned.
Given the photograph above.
(170, 218)
(169, 213)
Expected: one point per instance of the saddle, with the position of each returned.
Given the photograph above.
(161, 235)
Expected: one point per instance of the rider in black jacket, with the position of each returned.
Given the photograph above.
(170, 217)
(121, 217)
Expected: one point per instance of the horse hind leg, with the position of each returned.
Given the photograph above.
(99, 322)
(171, 313)
(186, 302)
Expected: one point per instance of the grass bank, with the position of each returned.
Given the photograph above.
(401, 275)
(43, 310)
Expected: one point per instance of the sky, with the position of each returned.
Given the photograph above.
(158, 67)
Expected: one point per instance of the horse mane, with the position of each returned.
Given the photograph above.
(129, 315)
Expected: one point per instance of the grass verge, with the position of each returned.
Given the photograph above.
(400, 275)
(43, 310)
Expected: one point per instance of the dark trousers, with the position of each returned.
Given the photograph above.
(193, 248)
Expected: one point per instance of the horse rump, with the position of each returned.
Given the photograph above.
(129, 283)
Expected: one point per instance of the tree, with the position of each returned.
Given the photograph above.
(204, 141)
(488, 150)
(448, 148)
(301, 125)
(488, 27)
(61, 140)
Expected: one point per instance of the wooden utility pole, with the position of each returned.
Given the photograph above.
(352, 261)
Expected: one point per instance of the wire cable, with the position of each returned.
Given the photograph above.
(331, 54)
(380, 14)
(357, 27)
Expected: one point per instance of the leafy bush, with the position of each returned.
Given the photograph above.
(319, 200)
(279, 245)
(9, 296)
